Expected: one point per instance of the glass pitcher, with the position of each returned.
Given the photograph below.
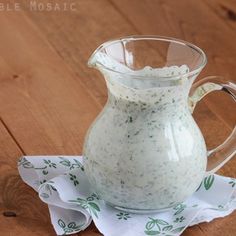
(144, 152)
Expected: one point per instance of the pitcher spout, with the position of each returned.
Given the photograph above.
(92, 61)
(113, 56)
(133, 62)
(100, 58)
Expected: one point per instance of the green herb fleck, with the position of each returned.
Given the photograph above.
(123, 216)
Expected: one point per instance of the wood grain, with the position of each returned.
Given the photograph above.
(226, 10)
(41, 92)
(76, 35)
(44, 108)
(48, 96)
(16, 197)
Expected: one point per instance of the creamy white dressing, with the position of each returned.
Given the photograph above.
(144, 151)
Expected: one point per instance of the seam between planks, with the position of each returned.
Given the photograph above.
(124, 16)
(208, 104)
(54, 49)
(12, 136)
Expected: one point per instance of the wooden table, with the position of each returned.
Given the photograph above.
(48, 96)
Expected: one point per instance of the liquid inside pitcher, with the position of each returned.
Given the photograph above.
(144, 151)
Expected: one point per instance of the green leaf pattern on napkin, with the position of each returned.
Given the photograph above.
(45, 169)
(179, 208)
(48, 188)
(71, 165)
(70, 227)
(179, 219)
(50, 164)
(159, 226)
(44, 195)
(25, 163)
(123, 216)
(207, 182)
(232, 182)
(89, 204)
(152, 226)
(73, 178)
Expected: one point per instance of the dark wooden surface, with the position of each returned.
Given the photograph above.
(48, 96)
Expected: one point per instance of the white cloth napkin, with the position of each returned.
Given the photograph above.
(62, 184)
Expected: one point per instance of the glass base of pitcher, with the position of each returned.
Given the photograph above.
(140, 211)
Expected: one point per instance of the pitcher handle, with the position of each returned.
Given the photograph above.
(225, 151)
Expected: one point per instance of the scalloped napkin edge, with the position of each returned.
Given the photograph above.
(62, 184)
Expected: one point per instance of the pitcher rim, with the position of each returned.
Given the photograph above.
(157, 38)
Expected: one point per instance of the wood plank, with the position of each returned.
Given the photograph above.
(76, 35)
(46, 109)
(219, 227)
(225, 9)
(58, 125)
(41, 100)
(16, 197)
